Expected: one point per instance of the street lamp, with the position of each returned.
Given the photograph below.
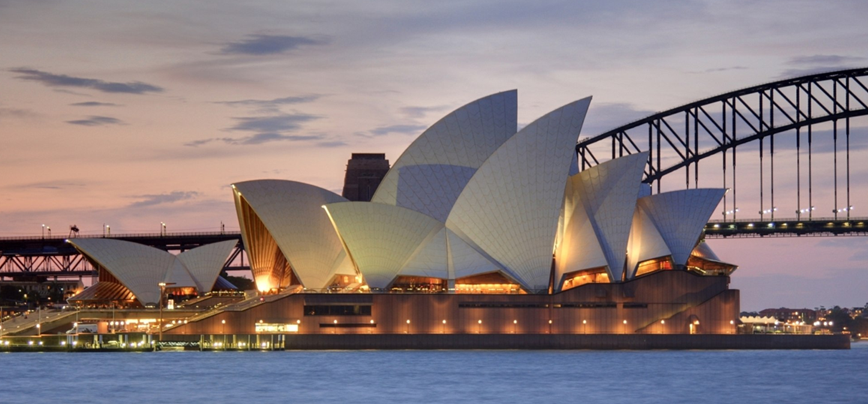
(408, 326)
(43, 230)
(479, 327)
(514, 325)
(625, 326)
(162, 228)
(584, 326)
(223, 331)
(443, 331)
(162, 293)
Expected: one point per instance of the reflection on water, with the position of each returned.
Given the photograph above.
(438, 376)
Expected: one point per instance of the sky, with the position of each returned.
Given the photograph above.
(135, 113)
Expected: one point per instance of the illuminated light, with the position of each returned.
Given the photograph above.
(584, 321)
(74, 343)
(696, 322)
(372, 321)
(29, 342)
(625, 321)
(731, 322)
(480, 321)
(224, 321)
(260, 321)
(299, 321)
(771, 225)
(550, 321)
(750, 225)
(515, 321)
(662, 321)
(62, 343)
(716, 226)
(444, 321)
(40, 343)
(408, 321)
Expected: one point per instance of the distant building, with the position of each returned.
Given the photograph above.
(785, 314)
(364, 173)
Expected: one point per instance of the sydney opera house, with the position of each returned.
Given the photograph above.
(482, 228)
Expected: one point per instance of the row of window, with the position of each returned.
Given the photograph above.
(338, 310)
(365, 309)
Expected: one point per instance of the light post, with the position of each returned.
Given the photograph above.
(550, 326)
(479, 327)
(443, 329)
(335, 327)
(514, 325)
(625, 326)
(223, 331)
(662, 324)
(43, 230)
(162, 293)
(162, 229)
(370, 329)
(584, 326)
(408, 326)
(49, 230)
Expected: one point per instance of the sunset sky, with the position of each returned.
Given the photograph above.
(135, 113)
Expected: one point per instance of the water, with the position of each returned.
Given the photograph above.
(438, 376)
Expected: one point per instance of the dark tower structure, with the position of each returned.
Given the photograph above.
(364, 173)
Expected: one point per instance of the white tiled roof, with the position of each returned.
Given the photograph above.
(510, 207)
(431, 173)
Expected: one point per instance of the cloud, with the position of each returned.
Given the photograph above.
(272, 103)
(259, 45)
(814, 64)
(93, 104)
(53, 185)
(823, 60)
(62, 80)
(332, 143)
(161, 199)
(723, 69)
(95, 120)
(17, 113)
(420, 112)
(272, 124)
(256, 139)
(606, 116)
(400, 129)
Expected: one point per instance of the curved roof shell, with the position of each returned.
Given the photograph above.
(141, 268)
(381, 239)
(680, 216)
(510, 208)
(604, 195)
(447, 154)
(300, 232)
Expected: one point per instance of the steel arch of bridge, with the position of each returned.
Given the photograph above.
(717, 126)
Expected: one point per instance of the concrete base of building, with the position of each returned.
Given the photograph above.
(545, 341)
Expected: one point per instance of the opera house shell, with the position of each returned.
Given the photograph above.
(130, 273)
(475, 205)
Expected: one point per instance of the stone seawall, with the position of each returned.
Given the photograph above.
(544, 341)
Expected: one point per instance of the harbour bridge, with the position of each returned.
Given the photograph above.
(796, 133)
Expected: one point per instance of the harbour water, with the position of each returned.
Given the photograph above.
(797, 376)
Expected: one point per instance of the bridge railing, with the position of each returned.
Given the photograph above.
(128, 235)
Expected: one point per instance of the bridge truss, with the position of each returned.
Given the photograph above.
(810, 124)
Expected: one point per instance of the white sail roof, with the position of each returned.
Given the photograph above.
(510, 208)
(607, 194)
(292, 215)
(201, 261)
(680, 217)
(645, 242)
(432, 172)
(381, 239)
(431, 259)
(141, 268)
